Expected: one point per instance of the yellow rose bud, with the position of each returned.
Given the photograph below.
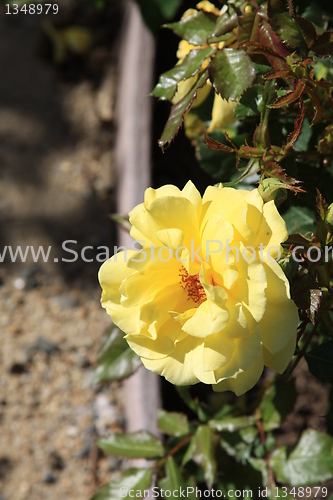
(329, 217)
(222, 113)
(204, 300)
(208, 7)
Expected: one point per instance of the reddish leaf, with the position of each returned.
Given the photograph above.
(308, 30)
(290, 97)
(292, 31)
(274, 170)
(282, 73)
(218, 146)
(321, 205)
(291, 139)
(323, 46)
(318, 83)
(316, 103)
(268, 39)
(258, 48)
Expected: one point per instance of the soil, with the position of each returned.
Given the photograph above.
(57, 184)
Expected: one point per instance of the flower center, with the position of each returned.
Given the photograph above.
(192, 285)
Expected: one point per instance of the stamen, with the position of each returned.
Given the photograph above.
(192, 285)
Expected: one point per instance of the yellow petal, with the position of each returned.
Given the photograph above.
(177, 368)
(218, 351)
(208, 7)
(208, 319)
(246, 352)
(243, 381)
(112, 273)
(280, 360)
(172, 238)
(250, 288)
(280, 321)
(166, 212)
(222, 113)
(183, 88)
(273, 230)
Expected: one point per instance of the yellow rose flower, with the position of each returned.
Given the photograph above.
(204, 300)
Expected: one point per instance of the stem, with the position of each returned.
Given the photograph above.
(301, 353)
(261, 430)
(173, 451)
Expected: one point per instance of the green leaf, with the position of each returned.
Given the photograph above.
(171, 481)
(225, 24)
(231, 72)
(178, 111)
(201, 451)
(249, 102)
(156, 12)
(116, 360)
(239, 444)
(278, 401)
(311, 461)
(172, 423)
(169, 8)
(323, 46)
(295, 32)
(196, 29)
(167, 85)
(237, 476)
(302, 218)
(139, 444)
(320, 361)
(262, 69)
(136, 480)
(231, 424)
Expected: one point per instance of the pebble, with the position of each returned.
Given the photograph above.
(41, 345)
(64, 301)
(17, 369)
(56, 461)
(49, 478)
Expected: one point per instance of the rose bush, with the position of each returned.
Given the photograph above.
(222, 111)
(193, 309)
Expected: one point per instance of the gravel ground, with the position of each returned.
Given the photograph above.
(56, 184)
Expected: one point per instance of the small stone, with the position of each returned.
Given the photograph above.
(72, 431)
(64, 301)
(56, 461)
(19, 283)
(46, 346)
(85, 452)
(41, 345)
(5, 467)
(17, 369)
(49, 478)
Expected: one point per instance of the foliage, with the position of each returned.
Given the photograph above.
(273, 61)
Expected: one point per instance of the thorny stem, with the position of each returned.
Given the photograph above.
(261, 430)
(173, 451)
(301, 353)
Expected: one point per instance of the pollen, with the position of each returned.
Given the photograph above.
(192, 285)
